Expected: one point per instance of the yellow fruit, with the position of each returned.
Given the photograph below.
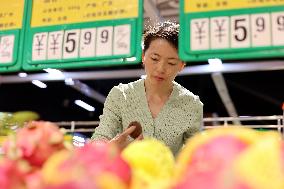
(262, 165)
(152, 163)
(109, 181)
(51, 167)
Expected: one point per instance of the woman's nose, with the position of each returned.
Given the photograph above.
(161, 67)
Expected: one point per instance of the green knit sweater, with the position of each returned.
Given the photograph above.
(179, 118)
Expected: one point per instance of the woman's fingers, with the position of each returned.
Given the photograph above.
(128, 131)
(121, 140)
(140, 137)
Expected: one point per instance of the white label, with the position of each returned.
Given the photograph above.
(278, 28)
(240, 31)
(7, 48)
(39, 46)
(219, 32)
(71, 44)
(199, 34)
(122, 39)
(260, 30)
(87, 42)
(55, 42)
(104, 41)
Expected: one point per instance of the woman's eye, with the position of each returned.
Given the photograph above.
(172, 64)
(154, 59)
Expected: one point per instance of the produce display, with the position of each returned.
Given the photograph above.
(17, 118)
(38, 157)
(8, 120)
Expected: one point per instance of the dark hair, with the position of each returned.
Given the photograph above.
(166, 30)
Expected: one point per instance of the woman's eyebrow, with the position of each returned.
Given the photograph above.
(173, 58)
(169, 58)
(155, 54)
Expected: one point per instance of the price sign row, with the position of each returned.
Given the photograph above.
(82, 43)
(239, 31)
(6, 48)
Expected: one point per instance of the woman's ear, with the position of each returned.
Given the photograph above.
(143, 57)
(182, 66)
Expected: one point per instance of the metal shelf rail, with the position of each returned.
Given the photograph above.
(257, 122)
(78, 126)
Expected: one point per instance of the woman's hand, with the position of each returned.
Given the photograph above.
(121, 140)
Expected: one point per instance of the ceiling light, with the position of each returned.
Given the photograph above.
(54, 72)
(78, 141)
(143, 76)
(131, 59)
(69, 81)
(22, 74)
(84, 105)
(39, 84)
(215, 63)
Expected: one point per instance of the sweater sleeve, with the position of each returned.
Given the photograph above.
(110, 121)
(196, 124)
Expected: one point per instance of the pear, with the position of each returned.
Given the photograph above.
(5, 123)
(21, 117)
(9, 121)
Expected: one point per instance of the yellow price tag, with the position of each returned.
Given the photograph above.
(217, 5)
(58, 12)
(11, 14)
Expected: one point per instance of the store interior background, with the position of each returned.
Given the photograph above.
(256, 91)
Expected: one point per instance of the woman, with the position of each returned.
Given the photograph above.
(166, 110)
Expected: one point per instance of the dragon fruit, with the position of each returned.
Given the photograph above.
(72, 185)
(98, 165)
(231, 158)
(18, 174)
(12, 174)
(35, 142)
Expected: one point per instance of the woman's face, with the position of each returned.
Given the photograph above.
(161, 62)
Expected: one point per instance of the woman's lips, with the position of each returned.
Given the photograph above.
(159, 78)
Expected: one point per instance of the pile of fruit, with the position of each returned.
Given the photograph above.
(37, 157)
(9, 122)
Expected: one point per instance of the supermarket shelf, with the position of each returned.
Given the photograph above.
(277, 118)
(278, 123)
(136, 73)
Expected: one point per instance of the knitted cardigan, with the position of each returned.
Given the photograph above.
(180, 117)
